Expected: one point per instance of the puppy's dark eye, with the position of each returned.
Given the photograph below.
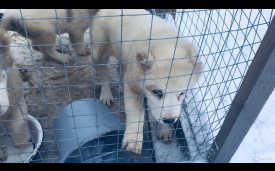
(182, 93)
(158, 93)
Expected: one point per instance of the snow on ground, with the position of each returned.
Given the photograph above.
(258, 145)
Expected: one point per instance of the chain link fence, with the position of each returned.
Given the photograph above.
(226, 40)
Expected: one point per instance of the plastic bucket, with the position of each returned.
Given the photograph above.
(87, 131)
(22, 155)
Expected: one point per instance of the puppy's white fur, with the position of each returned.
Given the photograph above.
(108, 29)
(16, 124)
(4, 99)
(43, 31)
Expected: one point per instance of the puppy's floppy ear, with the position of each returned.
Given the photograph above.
(198, 67)
(196, 62)
(193, 53)
(142, 58)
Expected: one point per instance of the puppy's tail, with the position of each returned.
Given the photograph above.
(4, 40)
(4, 27)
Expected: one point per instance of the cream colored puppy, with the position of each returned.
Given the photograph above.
(17, 126)
(43, 31)
(164, 94)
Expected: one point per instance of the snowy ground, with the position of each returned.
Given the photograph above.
(227, 41)
(258, 145)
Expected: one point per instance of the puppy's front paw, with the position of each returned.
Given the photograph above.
(132, 143)
(84, 51)
(107, 98)
(67, 59)
(165, 136)
(108, 102)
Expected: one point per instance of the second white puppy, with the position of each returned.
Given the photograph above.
(165, 107)
(10, 112)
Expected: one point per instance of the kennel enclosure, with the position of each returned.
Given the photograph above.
(236, 48)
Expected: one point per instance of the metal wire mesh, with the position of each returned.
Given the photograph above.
(227, 41)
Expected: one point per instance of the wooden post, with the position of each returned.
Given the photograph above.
(257, 85)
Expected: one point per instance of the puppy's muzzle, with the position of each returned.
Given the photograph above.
(169, 120)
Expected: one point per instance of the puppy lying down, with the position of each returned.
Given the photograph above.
(162, 80)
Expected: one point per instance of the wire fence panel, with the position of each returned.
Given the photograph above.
(226, 42)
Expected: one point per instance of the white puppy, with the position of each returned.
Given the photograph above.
(43, 31)
(164, 94)
(16, 125)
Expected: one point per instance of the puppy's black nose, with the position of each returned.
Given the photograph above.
(169, 121)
